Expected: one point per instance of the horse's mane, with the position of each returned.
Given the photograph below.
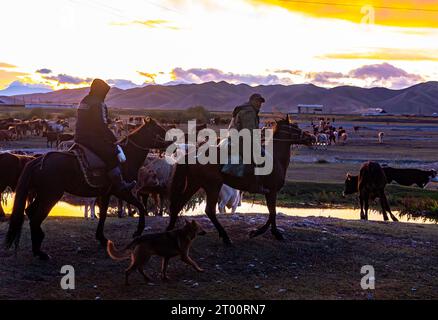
(136, 130)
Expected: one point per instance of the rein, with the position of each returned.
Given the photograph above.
(157, 138)
(300, 137)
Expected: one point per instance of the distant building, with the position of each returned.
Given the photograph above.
(310, 108)
(375, 112)
(51, 105)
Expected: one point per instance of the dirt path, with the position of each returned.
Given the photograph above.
(321, 258)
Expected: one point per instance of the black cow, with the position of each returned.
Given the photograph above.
(408, 177)
(370, 184)
(51, 138)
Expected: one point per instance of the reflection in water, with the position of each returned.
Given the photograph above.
(63, 209)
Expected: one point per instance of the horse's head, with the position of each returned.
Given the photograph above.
(285, 130)
(150, 135)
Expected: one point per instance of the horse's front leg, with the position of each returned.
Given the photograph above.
(102, 202)
(271, 202)
(130, 199)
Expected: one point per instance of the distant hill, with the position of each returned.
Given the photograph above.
(19, 88)
(421, 98)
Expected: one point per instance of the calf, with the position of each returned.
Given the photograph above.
(370, 184)
(230, 198)
(343, 138)
(155, 178)
(380, 136)
(408, 177)
(52, 137)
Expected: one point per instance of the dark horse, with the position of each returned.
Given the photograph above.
(189, 178)
(50, 176)
(11, 166)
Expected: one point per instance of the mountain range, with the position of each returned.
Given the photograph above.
(222, 96)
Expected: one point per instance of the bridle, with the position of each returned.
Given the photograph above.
(127, 141)
(300, 135)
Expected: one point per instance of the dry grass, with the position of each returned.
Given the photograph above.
(320, 259)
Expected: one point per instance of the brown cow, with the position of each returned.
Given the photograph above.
(370, 184)
(6, 135)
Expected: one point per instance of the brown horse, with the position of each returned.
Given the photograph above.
(189, 178)
(11, 166)
(50, 176)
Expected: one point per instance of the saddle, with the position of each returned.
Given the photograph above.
(93, 167)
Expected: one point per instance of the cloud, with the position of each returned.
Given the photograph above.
(384, 75)
(150, 77)
(44, 71)
(387, 54)
(197, 75)
(287, 71)
(325, 77)
(6, 77)
(382, 71)
(395, 13)
(5, 65)
(122, 84)
(153, 24)
(67, 79)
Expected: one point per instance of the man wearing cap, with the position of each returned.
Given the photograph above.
(93, 133)
(246, 116)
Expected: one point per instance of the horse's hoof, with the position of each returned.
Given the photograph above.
(277, 234)
(254, 233)
(228, 243)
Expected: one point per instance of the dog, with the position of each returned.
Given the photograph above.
(165, 245)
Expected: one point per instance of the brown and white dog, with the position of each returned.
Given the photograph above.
(166, 245)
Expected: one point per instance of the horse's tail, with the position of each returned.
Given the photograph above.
(21, 195)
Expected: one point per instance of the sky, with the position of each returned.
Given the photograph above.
(56, 44)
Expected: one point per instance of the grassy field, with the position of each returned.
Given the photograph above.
(320, 259)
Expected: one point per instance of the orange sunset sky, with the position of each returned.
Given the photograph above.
(56, 44)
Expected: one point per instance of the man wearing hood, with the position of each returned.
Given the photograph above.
(92, 132)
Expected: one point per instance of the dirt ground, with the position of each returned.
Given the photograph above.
(321, 258)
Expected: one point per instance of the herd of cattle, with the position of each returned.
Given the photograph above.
(16, 129)
(155, 176)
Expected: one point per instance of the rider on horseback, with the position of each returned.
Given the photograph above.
(246, 116)
(93, 133)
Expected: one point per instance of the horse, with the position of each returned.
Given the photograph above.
(189, 178)
(11, 166)
(57, 172)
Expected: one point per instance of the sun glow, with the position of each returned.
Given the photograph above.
(132, 40)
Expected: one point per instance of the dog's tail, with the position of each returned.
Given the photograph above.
(118, 254)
